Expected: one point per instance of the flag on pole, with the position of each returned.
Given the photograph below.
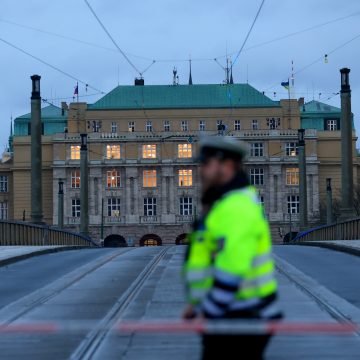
(76, 91)
(285, 84)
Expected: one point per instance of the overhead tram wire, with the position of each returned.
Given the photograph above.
(51, 66)
(111, 38)
(319, 59)
(249, 32)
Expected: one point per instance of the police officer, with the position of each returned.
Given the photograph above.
(229, 269)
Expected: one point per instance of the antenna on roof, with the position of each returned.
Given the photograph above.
(175, 77)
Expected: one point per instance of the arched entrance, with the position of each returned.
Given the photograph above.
(150, 240)
(181, 239)
(115, 241)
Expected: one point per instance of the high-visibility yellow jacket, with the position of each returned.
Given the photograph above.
(229, 269)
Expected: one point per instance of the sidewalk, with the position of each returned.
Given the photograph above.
(347, 246)
(11, 254)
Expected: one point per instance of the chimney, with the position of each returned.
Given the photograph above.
(64, 107)
(301, 101)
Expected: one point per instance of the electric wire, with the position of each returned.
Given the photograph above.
(111, 38)
(51, 66)
(249, 32)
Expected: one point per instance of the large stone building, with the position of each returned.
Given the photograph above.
(142, 147)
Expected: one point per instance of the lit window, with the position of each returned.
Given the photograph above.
(113, 207)
(150, 206)
(186, 206)
(257, 176)
(75, 179)
(149, 178)
(185, 177)
(292, 176)
(331, 125)
(256, 149)
(291, 149)
(131, 126)
(113, 179)
(166, 125)
(3, 210)
(75, 207)
(149, 151)
(75, 152)
(255, 125)
(184, 150)
(148, 126)
(293, 204)
(113, 127)
(202, 125)
(3, 183)
(184, 125)
(237, 125)
(113, 151)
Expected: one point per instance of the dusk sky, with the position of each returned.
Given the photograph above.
(66, 35)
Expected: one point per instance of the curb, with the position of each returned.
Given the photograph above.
(17, 258)
(336, 247)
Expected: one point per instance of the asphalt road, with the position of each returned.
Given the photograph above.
(338, 271)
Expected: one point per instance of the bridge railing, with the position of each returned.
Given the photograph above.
(347, 230)
(21, 233)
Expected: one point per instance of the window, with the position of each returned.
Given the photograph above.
(185, 177)
(113, 151)
(113, 179)
(255, 125)
(291, 149)
(256, 149)
(273, 123)
(186, 206)
(75, 152)
(261, 200)
(257, 176)
(166, 125)
(3, 210)
(113, 207)
(113, 127)
(75, 179)
(75, 207)
(202, 125)
(96, 126)
(292, 176)
(3, 183)
(149, 151)
(293, 204)
(149, 206)
(131, 126)
(149, 178)
(184, 150)
(184, 125)
(237, 125)
(148, 126)
(331, 125)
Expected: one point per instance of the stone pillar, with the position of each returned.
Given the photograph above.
(61, 205)
(302, 181)
(84, 187)
(36, 156)
(347, 207)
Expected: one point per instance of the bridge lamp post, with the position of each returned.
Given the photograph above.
(61, 205)
(84, 186)
(329, 217)
(302, 180)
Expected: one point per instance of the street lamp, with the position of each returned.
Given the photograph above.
(61, 187)
(329, 217)
(83, 141)
(301, 137)
(345, 84)
(35, 86)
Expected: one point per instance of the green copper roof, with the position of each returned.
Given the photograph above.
(50, 112)
(183, 97)
(318, 107)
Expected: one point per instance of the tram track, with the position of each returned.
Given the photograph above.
(25, 305)
(89, 346)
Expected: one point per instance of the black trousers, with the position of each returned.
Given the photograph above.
(239, 347)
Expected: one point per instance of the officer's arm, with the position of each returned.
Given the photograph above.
(236, 236)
